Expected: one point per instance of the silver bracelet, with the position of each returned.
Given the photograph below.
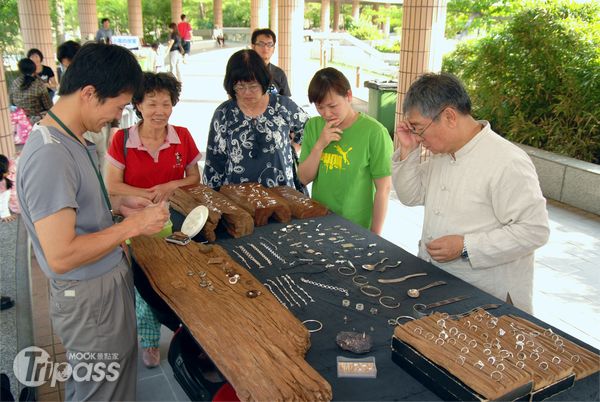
(250, 256)
(370, 291)
(280, 291)
(260, 253)
(268, 241)
(293, 290)
(274, 294)
(289, 294)
(328, 287)
(273, 253)
(301, 288)
(242, 258)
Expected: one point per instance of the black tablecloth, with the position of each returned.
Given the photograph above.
(392, 383)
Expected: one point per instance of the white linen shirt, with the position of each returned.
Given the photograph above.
(489, 193)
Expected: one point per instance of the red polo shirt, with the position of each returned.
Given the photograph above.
(185, 30)
(145, 170)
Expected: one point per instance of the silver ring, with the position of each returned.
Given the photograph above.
(453, 331)
(500, 367)
(357, 283)
(441, 341)
(496, 375)
(535, 356)
(418, 329)
(479, 365)
(487, 351)
(342, 271)
(388, 305)
(520, 364)
(451, 341)
(462, 336)
(364, 289)
(320, 325)
(464, 350)
(543, 366)
(429, 336)
(556, 360)
(492, 360)
(473, 343)
(461, 360)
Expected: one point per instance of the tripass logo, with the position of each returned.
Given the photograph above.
(33, 367)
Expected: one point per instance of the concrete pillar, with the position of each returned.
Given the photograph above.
(176, 11)
(291, 29)
(7, 141)
(36, 31)
(325, 15)
(218, 13)
(386, 24)
(259, 14)
(274, 19)
(336, 15)
(134, 9)
(88, 19)
(355, 10)
(423, 25)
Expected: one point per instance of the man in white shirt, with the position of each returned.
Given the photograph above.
(484, 210)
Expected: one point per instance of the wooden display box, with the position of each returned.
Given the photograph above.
(449, 388)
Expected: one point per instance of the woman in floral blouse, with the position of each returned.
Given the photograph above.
(252, 135)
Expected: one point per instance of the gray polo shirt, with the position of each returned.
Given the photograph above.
(55, 172)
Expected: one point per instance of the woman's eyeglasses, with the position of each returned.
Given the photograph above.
(239, 88)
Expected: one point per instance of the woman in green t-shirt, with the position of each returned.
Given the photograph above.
(346, 154)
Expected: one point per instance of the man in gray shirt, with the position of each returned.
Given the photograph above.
(104, 34)
(68, 215)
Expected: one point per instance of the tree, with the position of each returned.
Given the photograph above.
(466, 16)
(10, 34)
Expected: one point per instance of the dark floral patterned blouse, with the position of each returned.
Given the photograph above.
(241, 149)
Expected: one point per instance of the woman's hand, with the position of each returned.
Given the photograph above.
(331, 132)
(130, 204)
(162, 192)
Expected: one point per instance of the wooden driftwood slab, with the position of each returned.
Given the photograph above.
(236, 220)
(261, 204)
(256, 343)
(302, 207)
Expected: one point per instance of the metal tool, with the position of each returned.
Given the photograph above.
(414, 293)
(420, 308)
(371, 267)
(401, 279)
(397, 264)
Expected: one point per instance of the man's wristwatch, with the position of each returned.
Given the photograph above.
(464, 254)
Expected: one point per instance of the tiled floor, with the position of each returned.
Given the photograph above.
(567, 278)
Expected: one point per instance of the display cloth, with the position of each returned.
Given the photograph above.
(329, 240)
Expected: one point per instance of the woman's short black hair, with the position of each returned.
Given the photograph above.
(33, 51)
(112, 70)
(243, 66)
(157, 82)
(327, 80)
(27, 68)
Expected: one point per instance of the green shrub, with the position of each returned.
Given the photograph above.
(364, 30)
(538, 80)
(393, 47)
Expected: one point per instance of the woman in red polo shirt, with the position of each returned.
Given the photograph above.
(151, 160)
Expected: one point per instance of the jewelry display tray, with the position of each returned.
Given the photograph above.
(450, 388)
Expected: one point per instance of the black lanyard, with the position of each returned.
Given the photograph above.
(98, 174)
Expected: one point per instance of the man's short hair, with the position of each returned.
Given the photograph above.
(327, 80)
(67, 50)
(104, 20)
(157, 82)
(243, 66)
(431, 93)
(182, 16)
(263, 31)
(110, 69)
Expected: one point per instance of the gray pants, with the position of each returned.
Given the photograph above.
(95, 319)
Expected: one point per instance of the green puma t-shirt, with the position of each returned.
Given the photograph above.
(344, 181)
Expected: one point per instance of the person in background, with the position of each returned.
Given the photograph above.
(217, 34)
(104, 34)
(8, 196)
(29, 93)
(346, 154)
(68, 215)
(65, 54)
(175, 51)
(484, 211)
(249, 138)
(263, 42)
(185, 32)
(43, 72)
(151, 160)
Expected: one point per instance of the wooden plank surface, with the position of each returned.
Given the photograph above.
(256, 343)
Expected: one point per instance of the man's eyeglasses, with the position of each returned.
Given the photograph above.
(422, 132)
(270, 45)
(239, 88)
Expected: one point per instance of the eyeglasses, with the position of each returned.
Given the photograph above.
(270, 45)
(421, 133)
(239, 88)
